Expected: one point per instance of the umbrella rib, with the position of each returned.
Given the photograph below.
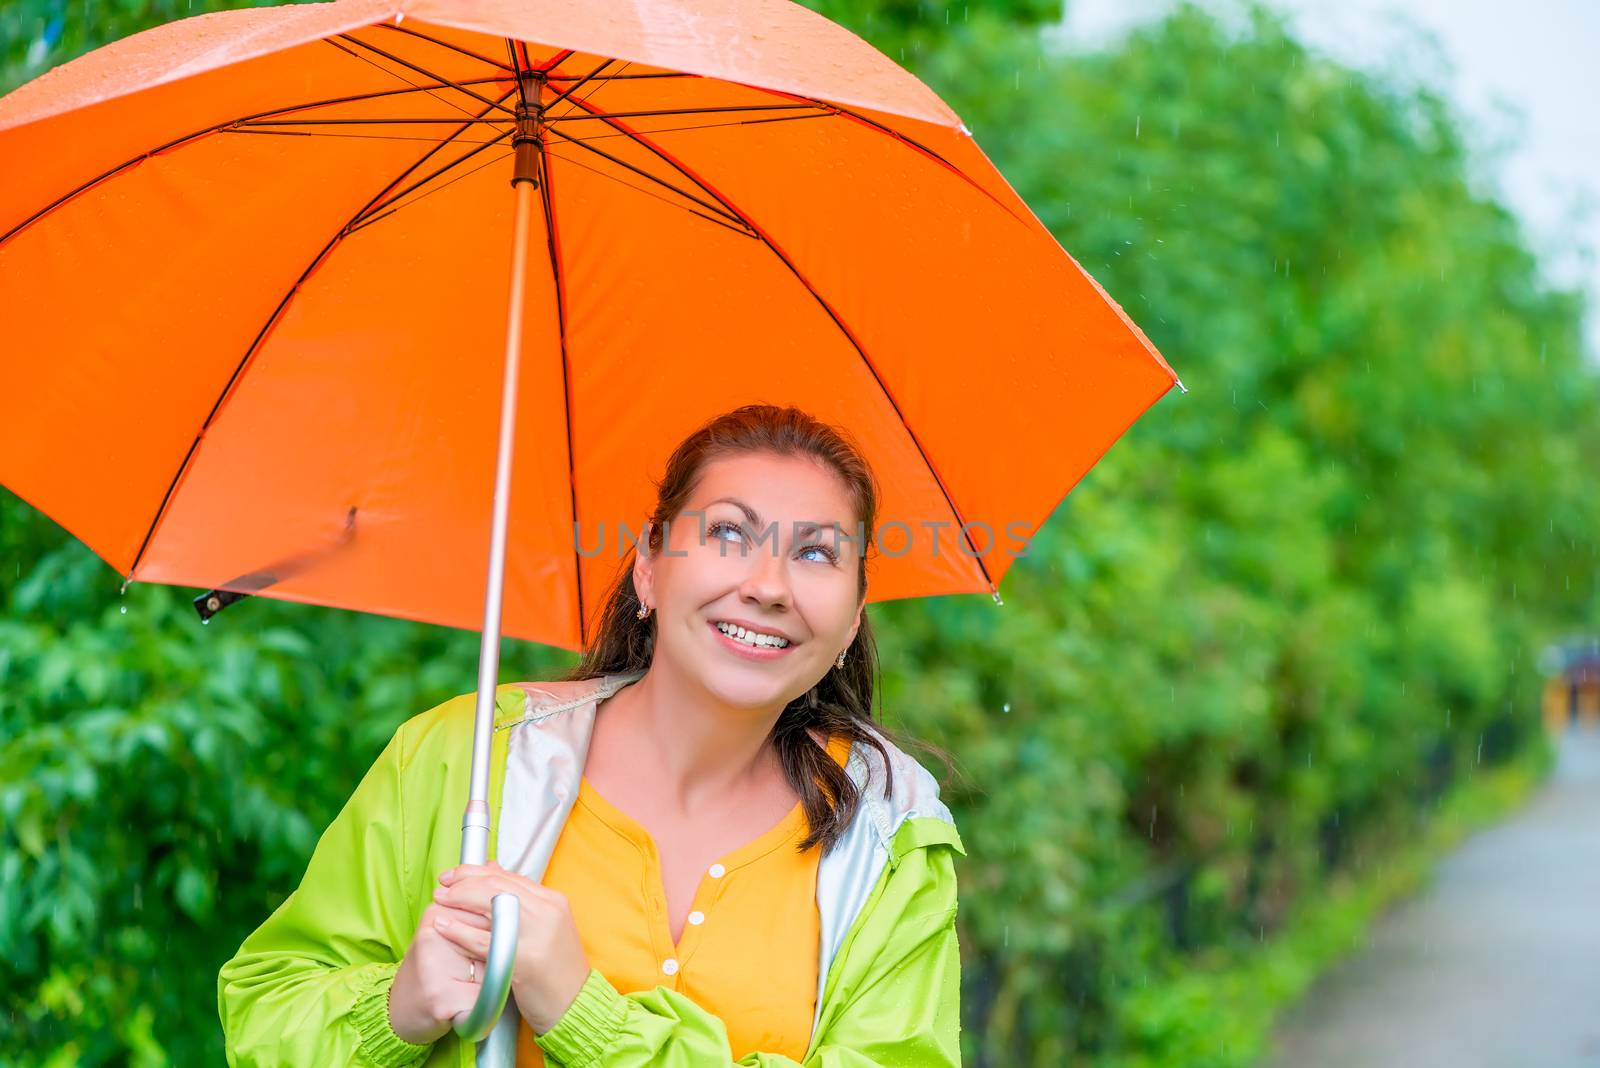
(179, 142)
(569, 90)
(375, 216)
(659, 181)
(267, 132)
(767, 240)
(469, 53)
(393, 74)
(592, 93)
(255, 345)
(516, 72)
(701, 126)
(889, 131)
(738, 229)
(730, 222)
(492, 106)
(621, 77)
(394, 199)
(570, 117)
(551, 242)
(566, 54)
(443, 120)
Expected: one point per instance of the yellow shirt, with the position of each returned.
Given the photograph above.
(748, 952)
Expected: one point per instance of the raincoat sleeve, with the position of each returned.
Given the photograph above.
(904, 1008)
(311, 984)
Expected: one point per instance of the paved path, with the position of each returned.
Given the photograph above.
(1495, 964)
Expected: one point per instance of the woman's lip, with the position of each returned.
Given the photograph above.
(749, 652)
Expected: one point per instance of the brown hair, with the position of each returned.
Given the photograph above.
(841, 701)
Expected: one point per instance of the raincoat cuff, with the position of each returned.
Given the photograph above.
(380, 1046)
(589, 1025)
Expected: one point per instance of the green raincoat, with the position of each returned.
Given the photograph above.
(310, 985)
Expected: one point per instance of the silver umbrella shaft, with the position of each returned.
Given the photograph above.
(497, 1044)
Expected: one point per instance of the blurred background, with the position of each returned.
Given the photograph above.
(1283, 747)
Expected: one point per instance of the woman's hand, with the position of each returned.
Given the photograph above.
(432, 986)
(551, 966)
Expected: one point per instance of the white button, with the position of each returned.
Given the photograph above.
(669, 966)
(717, 871)
(697, 918)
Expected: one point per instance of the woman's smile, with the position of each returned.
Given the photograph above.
(746, 649)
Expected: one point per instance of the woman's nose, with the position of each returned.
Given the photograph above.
(767, 579)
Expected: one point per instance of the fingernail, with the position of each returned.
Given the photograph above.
(447, 876)
(443, 921)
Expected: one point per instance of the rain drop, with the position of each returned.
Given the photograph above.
(204, 622)
(123, 609)
(1006, 707)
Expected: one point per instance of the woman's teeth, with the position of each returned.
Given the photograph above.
(750, 637)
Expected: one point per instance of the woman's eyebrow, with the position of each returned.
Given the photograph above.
(754, 517)
(749, 513)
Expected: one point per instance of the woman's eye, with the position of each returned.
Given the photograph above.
(717, 529)
(722, 525)
(827, 554)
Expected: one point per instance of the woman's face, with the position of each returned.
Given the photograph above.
(760, 566)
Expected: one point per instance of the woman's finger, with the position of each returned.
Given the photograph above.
(477, 892)
(512, 880)
(470, 917)
(464, 871)
(474, 940)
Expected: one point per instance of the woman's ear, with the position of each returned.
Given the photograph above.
(643, 577)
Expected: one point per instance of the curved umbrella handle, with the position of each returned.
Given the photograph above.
(480, 1020)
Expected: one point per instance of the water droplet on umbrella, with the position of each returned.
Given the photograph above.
(123, 609)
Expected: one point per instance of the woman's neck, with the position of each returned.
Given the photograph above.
(701, 749)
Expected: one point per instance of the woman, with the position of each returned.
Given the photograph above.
(720, 857)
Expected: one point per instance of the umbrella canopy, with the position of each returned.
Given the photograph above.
(254, 279)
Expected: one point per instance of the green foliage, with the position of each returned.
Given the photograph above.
(903, 29)
(162, 784)
(1290, 607)
(35, 35)
(1282, 617)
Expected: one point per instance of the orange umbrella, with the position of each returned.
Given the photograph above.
(254, 275)
(256, 268)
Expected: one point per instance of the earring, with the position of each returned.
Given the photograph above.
(839, 663)
(643, 612)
